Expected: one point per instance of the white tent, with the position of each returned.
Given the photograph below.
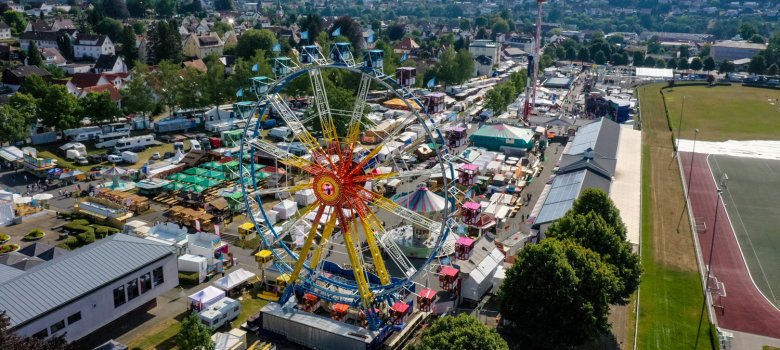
(233, 279)
(206, 297)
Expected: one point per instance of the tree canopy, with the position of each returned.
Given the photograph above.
(556, 295)
(34, 57)
(194, 335)
(99, 107)
(459, 332)
(253, 40)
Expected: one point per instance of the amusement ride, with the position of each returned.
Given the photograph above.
(333, 249)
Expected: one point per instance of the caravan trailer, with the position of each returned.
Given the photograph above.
(221, 312)
(129, 143)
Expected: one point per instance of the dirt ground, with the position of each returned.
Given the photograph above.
(673, 245)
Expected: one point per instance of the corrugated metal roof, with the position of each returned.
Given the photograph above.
(62, 280)
(565, 189)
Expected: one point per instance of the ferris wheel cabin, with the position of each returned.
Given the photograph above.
(375, 59)
(282, 66)
(310, 54)
(406, 76)
(341, 54)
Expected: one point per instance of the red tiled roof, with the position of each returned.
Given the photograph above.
(111, 89)
(84, 80)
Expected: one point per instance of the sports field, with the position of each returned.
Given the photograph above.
(752, 198)
(725, 112)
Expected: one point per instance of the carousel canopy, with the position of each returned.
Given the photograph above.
(114, 171)
(422, 201)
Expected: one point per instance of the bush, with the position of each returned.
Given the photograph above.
(77, 228)
(86, 237)
(188, 278)
(69, 243)
(34, 234)
(82, 222)
(4, 237)
(6, 248)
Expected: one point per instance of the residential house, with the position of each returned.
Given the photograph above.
(229, 38)
(486, 54)
(113, 92)
(406, 46)
(81, 81)
(88, 288)
(52, 56)
(140, 44)
(110, 64)
(196, 64)
(15, 77)
(92, 46)
(42, 40)
(63, 24)
(38, 26)
(203, 45)
(119, 80)
(5, 31)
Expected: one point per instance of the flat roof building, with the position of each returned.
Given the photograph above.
(730, 50)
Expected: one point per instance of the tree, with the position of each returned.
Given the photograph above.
(217, 87)
(709, 64)
(112, 28)
(481, 33)
(254, 39)
(639, 58)
(671, 64)
(165, 42)
(62, 108)
(772, 70)
(600, 57)
(464, 24)
(583, 55)
(396, 31)
(649, 62)
(726, 67)
(115, 9)
(165, 8)
(138, 96)
(556, 295)
(312, 23)
(129, 50)
(481, 21)
(194, 335)
(684, 51)
(757, 65)
(9, 340)
(465, 63)
(696, 63)
(56, 72)
(25, 104)
(223, 5)
(65, 45)
(99, 108)
(137, 8)
(34, 57)
(747, 30)
(500, 26)
(459, 332)
(13, 124)
(757, 39)
(35, 86)
(351, 29)
(571, 53)
(164, 81)
(16, 21)
(660, 63)
(682, 64)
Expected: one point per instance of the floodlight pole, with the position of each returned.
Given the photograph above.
(690, 169)
(679, 128)
(712, 243)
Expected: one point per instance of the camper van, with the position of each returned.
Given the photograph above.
(195, 145)
(129, 143)
(83, 134)
(221, 312)
(107, 140)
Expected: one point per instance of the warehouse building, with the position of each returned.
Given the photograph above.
(81, 291)
(730, 50)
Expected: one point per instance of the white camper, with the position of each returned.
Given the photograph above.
(221, 312)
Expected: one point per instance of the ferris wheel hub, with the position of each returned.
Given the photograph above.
(328, 188)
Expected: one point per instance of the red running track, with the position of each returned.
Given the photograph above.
(745, 308)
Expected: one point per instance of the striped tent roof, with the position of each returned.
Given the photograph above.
(422, 201)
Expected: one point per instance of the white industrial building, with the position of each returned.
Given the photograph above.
(730, 50)
(477, 272)
(485, 54)
(86, 289)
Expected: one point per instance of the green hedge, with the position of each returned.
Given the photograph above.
(85, 238)
(78, 228)
(34, 234)
(69, 243)
(104, 231)
(188, 278)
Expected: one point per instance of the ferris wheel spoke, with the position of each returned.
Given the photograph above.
(281, 155)
(327, 232)
(323, 106)
(290, 224)
(307, 245)
(350, 232)
(375, 233)
(357, 113)
(298, 128)
(392, 135)
(406, 214)
(267, 191)
(399, 174)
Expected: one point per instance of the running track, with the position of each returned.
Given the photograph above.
(745, 308)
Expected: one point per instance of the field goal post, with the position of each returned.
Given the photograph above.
(716, 291)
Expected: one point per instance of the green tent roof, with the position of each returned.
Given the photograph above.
(215, 175)
(177, 177)
(175, 186)
(196, 188)
(504, 131)
(211, 165)
(195, 171)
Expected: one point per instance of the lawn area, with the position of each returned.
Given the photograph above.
(50, 151)
(671, 294)
(724, 113)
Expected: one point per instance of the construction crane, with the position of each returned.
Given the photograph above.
(533, 64)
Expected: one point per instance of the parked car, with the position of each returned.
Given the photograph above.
(156, 155)
(96, 158)
(82, 161)
(97, 168)
(167, 155)
(113, 158)
(165, 138)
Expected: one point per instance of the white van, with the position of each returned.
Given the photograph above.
(195, 145)
(127, 143)
(223, 311)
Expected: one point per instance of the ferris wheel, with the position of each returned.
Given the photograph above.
(330, 242)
